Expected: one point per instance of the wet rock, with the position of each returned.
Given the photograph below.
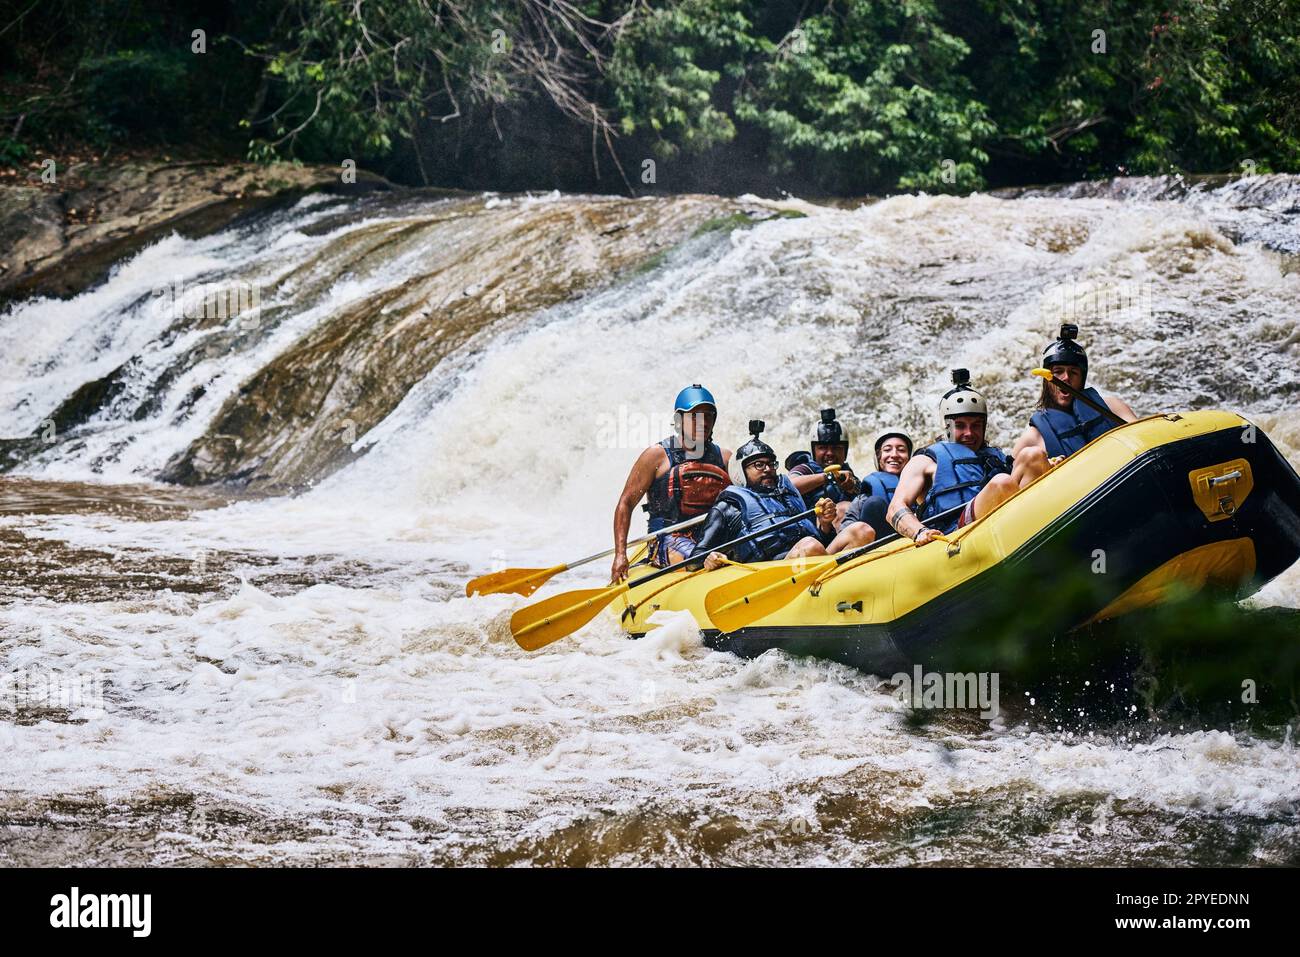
(484, 264)
(60, 243)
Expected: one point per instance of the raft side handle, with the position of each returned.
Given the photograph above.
(847, 606)
(1220, 490)
(1222, 479)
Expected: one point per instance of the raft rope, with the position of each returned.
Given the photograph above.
(632, 609)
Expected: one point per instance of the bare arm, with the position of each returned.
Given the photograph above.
(807, 483)
(913, 483)
(1121, 408)
(638, 483)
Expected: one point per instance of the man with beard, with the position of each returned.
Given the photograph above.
(680, 477)
(760, 498)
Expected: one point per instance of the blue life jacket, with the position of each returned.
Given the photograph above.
(830, 489)
(760, 509)
(958, 477)
(659, 503)
(1064, 433)
(880, 484)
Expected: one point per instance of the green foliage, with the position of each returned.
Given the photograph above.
(666, 68)
(869, 92)
(137, 91)
(1182, 85)
(845, 96)
(12, 152)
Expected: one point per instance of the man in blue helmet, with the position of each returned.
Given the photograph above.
(963, 470)
(680, 476)
(758, 498)
(1063, 424)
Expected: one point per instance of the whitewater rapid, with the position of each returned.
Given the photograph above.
(302, 679)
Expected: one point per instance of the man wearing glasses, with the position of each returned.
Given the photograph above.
(761, 497)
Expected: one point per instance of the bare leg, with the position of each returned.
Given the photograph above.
(840, 509)
(999, 489)
(852, 536)
(805, 547)
(1030, 463)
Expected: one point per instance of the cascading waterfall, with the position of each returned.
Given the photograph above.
(447, 384)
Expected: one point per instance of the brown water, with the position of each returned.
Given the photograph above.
(233, 674)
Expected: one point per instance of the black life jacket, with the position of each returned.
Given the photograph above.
(1064, 433)
(688, 488)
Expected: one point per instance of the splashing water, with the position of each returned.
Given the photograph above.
(218, 675)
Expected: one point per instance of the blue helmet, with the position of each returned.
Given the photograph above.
(693, 396)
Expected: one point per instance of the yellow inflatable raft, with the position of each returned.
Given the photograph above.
(1191, 500)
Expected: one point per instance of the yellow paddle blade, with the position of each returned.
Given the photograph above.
(1042, 373)
(738, 603)
(552, 618)
(516, 581)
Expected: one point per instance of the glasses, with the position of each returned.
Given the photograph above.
(765, 465)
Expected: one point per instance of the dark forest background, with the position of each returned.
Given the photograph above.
(818, 97)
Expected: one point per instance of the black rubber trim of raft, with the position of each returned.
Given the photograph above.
(1270, 516)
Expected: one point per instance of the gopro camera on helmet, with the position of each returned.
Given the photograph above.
(961, 377)
(756, 427)
(828, 415)
(1069, 331)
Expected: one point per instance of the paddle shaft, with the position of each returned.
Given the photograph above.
(1078, 394)
(862, 550)
(699, 559)
(644, 538)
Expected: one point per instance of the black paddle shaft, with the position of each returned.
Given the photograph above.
(699, 559)
(1078, 394)
(862, 550)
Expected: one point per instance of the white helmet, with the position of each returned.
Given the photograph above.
(883, 434)
(961, 399)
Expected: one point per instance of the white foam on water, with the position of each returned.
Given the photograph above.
(397, 703)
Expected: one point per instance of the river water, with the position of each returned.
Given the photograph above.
(275, 661)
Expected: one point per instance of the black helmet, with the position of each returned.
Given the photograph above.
(753, 449)
(1065, 351)
(828, 431)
